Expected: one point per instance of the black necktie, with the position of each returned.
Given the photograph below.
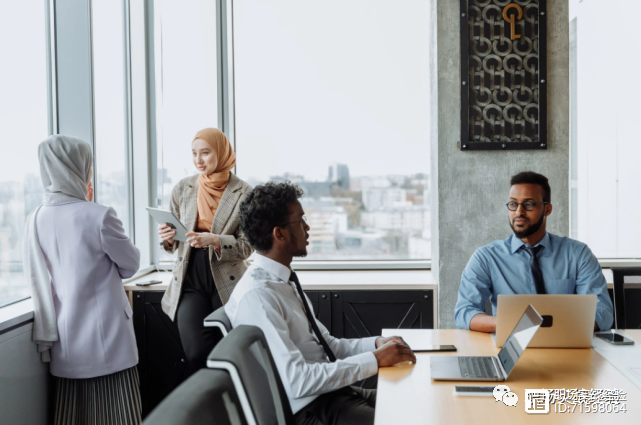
(536, 270)
(312, 320)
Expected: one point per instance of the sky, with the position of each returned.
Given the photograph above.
(331, 81)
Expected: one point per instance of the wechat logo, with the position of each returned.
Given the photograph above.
(503, 393)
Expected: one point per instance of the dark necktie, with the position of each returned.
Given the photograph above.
(311, 319)
(536, 270)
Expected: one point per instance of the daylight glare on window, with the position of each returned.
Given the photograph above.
(334, 96)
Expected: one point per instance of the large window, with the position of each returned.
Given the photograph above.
(606, 143)
(24, 124)
(333, 95)
(186, 86)
(111, 174)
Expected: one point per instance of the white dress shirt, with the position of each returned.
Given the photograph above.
(265, 297)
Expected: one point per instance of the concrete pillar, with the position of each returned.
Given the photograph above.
(470, 188)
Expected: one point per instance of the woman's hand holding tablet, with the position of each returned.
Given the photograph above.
(170, 227)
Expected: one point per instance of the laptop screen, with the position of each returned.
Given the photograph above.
(519, 338)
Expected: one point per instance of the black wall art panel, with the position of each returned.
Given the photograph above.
(503, 78)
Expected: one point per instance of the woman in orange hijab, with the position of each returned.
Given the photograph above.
(211, 261)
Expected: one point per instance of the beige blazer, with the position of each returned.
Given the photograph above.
(227, 267)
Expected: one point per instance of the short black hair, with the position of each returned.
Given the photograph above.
(531, 177)
(264, 208)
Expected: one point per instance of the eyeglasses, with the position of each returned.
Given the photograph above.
(527, 206)
(296, 221)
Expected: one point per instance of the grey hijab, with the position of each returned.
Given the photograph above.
(65, 164)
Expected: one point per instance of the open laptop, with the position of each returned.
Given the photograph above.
(460, 368)
(568, 320)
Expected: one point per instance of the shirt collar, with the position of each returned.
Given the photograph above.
(517, 243)
(273, 267)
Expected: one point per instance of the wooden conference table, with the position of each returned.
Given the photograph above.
(407, 395)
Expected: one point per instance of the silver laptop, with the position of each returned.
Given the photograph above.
(459, 368)
(568, 320)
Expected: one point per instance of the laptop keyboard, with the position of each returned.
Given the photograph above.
(477, 367)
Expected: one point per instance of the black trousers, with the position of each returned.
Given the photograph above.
(199, 299)
(346, 406)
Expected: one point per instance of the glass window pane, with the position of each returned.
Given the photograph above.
(24, 124)
(111, 174)
(606, 201)
(186, 82)
(334, 96)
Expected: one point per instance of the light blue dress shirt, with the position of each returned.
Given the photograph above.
(503, 267)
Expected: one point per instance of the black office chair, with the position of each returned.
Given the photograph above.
(627, 297)
(219, 320)
(244, 353)
(207, 397)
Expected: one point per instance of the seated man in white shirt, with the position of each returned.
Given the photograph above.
(316, 368)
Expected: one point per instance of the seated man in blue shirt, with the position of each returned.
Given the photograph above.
(531, 261)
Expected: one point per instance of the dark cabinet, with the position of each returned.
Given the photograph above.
(361, 314)
(627, 310)
(321, 304)
(161, 364)
(346, 314)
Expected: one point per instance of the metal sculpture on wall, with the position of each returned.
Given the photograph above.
(503, 73)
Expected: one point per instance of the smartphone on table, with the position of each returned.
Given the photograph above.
(434, 348)
(148, 282)
(474, 391)
(614, 338)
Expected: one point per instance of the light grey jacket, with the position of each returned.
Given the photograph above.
(227, 267)
(88, 254)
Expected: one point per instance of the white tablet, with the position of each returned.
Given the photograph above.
(166, 217)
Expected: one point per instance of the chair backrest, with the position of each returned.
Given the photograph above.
(245, 354)
(626, 291)
(207, 397)
(220, 320)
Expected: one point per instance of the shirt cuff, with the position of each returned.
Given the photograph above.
(369, 344)
(367, 363)
(604, 323)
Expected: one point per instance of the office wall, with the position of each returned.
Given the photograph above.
(24, 380)
(469, 205)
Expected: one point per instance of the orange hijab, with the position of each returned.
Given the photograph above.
(212, 186)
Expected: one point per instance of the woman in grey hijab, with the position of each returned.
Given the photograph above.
(76, 255)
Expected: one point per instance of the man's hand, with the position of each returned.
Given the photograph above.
(380, 341)
(393, 350)
(203, 240)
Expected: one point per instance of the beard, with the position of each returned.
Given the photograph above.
(530, 230)
(300, 252)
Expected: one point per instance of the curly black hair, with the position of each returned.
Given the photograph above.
(533, 178)
(265, 207)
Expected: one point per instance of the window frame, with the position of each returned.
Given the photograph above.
(140, 132)
(226, 111)
(52, 110)
(227, 118)
(136, 80)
